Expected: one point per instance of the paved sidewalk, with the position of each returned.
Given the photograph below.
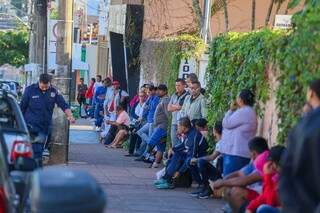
(128, 184)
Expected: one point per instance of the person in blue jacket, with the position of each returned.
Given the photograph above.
(193, 144)
(37, 104)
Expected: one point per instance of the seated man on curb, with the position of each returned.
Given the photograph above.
(119, 129)
(207, 170)
(160, 125)
(245, 185)
(192, 144)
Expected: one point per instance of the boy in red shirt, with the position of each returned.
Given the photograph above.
(268, 201)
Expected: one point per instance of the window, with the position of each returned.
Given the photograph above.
(8, 118)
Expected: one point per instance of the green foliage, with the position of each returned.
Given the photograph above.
(238, 61)
(170, 53)
(14, 46)
(299, 63)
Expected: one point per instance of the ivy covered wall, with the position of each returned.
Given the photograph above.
(241, 60)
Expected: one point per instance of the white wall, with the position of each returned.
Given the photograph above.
(92, 59)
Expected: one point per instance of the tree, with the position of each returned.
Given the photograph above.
(198, 13)
(253, 15)
(14, 46)
(269, 12)
(226, 16)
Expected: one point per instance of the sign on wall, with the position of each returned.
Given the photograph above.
(283, 22)
(187, 66)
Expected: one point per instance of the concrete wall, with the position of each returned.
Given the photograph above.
(239, 12)
(170, 17)
(167, 17)
(91, 59)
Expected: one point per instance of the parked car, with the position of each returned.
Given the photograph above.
(9, 200)
(14, 129)
(14, 87)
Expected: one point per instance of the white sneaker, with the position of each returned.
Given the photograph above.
(98, 129)
(155, 165)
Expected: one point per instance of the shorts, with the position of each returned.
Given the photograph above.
(251, 195)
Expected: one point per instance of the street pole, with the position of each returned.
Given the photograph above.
(62, 81)
(38, 33)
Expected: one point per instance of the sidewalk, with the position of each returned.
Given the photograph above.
(128, 184)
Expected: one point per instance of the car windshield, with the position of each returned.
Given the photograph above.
(8, 119)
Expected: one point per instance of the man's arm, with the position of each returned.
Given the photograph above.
(25, 101)
(242, 180)
(62, 104)
(211, 157)
(204, 110)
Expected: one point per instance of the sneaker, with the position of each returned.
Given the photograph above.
(155, 165)
(197, 191)
(205, 194)
(46, 153)
(226, 209)
(159, 182)
(139, 159)
(165, 185)
(98, 129)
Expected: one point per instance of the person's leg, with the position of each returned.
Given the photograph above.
(240, 196)
(96, 114)
(267, 209)
(143, 132)
(120, 138)
(156, 139)
(132, 143)
(174, 137)
(111, 135)
(194, 170)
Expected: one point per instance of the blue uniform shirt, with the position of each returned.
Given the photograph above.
(100, 94)
(151, 106)
(37, 107)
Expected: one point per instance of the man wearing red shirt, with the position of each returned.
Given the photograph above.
(269, 198)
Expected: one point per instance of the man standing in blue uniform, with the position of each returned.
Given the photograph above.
(37, 106)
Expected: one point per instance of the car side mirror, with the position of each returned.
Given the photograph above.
(25, 164)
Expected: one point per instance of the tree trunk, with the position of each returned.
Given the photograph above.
(278, 7)
(253, 15)
(269, 12)
(198, 13)
(226, 16)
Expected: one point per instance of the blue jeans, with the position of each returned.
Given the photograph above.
(174, 165)
(267, 209)
(156, 139)
(174, 137)
(233, 163)
(97, 116)
(38, 147)
(144, 132)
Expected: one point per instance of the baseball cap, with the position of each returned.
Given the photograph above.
(115, 82)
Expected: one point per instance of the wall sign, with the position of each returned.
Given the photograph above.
(187, 66)
(283, 22)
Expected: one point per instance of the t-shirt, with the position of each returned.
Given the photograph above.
(123, 118)
(177, 100)
(139, 110)
(82, 88)
(96, 85)
(248, 170)
(115, 99)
